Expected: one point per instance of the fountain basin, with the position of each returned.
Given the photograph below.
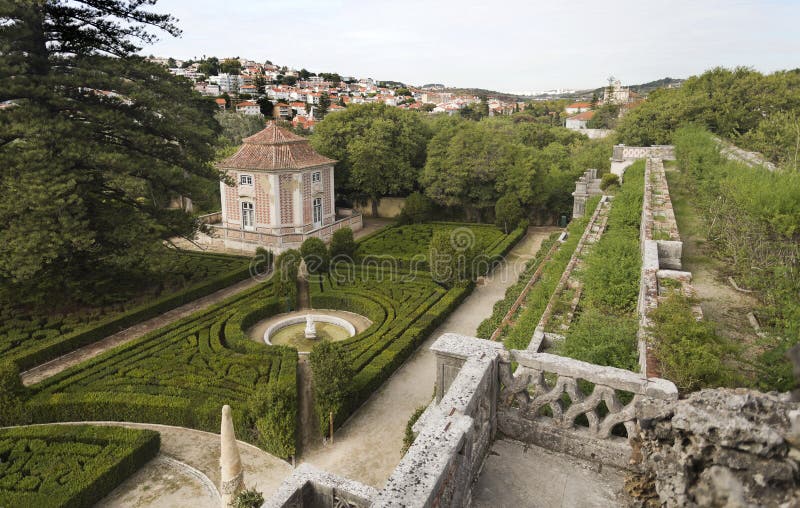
(291, 331)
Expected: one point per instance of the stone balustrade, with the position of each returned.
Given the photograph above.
(574, 407)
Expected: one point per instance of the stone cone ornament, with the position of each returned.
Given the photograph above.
(232, 475)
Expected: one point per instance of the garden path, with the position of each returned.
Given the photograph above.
(368, 446)
(53, 367)
(186, 471)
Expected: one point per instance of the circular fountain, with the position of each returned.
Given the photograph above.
(303, 331)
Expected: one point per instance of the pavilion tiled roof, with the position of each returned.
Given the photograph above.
(274, 149)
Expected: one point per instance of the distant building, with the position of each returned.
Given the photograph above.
(221, 103)
(579, 121)
(248, 108)
(282, 111)
(615, 93)
(282, 193)
(577, 107)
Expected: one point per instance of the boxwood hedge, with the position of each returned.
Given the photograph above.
(29, 339)
(69, 466)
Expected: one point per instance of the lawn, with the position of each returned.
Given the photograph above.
(31, 336)
(69, 466)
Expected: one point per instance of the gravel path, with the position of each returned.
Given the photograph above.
(367, 448)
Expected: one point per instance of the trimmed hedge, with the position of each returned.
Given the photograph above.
(404, 310)
(69, 466)
(29, 353)
(407, 246)
(183, 374)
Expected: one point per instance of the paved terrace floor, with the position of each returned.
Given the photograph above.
(517, 475)
(368, 446)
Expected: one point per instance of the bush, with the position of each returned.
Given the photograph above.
(608, 180)
(316, 255)
(690, 352)
(248, 498)
(603, 339)
(417, 209)
(508, 213)
(333, 375)
(263, 260)
(342, 244)
(11, 392)
(272, 418)
(286, 268)
(69, 466)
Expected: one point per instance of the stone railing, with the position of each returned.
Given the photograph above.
(574, 407)
(623, 156)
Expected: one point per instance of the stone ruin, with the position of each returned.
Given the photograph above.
(586, 186)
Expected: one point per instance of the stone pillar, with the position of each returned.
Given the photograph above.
(232, 475)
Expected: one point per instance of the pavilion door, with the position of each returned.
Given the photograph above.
(317, 212)
(248, 216)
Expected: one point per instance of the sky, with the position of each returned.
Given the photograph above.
(509, 46)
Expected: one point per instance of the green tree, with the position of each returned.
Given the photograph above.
(333, 376)
(380, 149)
(286, 268)
(266, 106)
(230, 66)
(343, 245)
(416, 209)
(209, 66)
(97, 143)
(508, 213)
(236, 126)
(11, 392)
(171, 63)
(324, 105)
(316, 255)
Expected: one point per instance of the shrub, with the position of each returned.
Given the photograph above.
(508, 213)
(608, 180)
(263, 260)
(332, 380)
(248, 498)
(316, 255)
(11, 392)
(286, 268)
(603, 339)
(272, 418)
(342, 244)
(690, 352)
(417, 209)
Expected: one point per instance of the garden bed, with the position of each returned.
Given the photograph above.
(67, 466)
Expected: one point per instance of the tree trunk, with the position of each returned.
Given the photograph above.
(376, 200)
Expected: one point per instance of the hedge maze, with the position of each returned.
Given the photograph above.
(30, 337)
(183, 374)
(69, 466)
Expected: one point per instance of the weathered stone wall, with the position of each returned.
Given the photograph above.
(720, 447)
(586, 186)
(623, 156)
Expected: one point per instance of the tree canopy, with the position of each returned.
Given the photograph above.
(95, 142)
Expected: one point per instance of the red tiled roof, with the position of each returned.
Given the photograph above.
(245, 104)
(586, 115)
(576, 105)
(273, 149)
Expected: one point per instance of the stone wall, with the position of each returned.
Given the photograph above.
(720, 447)
(586, 186)
(623, 156)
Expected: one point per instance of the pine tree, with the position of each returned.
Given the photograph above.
(94, 142)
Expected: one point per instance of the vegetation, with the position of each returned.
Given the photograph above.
(11, 394)
(30, 336)
(416, 209)
(332, 377)
(343, 245)
(605, 331)
(508, 213)
(183, 374)
(751, 218)
(690, 352)
(315, 254)
(97, 143)
(69, 466)
(248, 498)
(408, 437)
(287, 265)
(753, 110)
(380, 149)
(608, 180)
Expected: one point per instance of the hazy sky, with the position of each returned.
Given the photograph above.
(500, 45)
